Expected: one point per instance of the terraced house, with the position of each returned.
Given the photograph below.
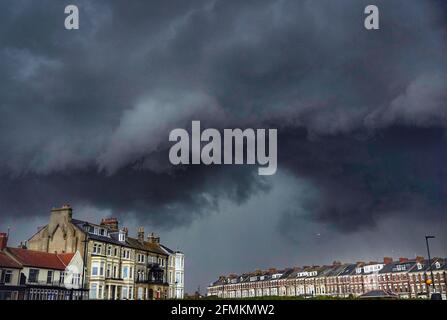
(34, 275)
(403, 278)
(118, 266)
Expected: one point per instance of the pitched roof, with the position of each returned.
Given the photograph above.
(145, 245)
(8, 262)
(65, 258)
(396, 267)
(130, 242)
(30, 258)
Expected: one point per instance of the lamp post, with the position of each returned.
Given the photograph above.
(85, 226)
(429, 262)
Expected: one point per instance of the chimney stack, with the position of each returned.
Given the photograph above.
(420, 259)
(3, 240)
(110, 223)
(387, 260)
(141, 234)
(59, 217)
(152, 238)
(403, 260)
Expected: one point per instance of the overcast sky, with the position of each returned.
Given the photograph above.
(361, 116)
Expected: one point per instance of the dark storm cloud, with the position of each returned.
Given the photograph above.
(85, 115)
(360, 179)
(157, 198)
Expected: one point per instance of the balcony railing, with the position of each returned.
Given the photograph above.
(150, 281)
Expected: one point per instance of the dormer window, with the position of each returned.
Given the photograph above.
(419, 266)
(121, 236)
(437, 265)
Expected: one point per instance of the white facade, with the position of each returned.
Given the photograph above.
(179, 275)
(175, 273)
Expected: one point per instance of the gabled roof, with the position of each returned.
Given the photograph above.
(30, 258)
(442, 264)
(66, 257)
(420, 266)
(8, 262)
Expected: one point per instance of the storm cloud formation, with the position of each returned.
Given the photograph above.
(85, 115)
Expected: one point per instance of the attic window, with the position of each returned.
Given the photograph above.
(437, 265)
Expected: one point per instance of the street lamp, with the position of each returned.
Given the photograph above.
(85, 241)
(429, 262)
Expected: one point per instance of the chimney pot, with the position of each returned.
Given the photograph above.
(152, 238)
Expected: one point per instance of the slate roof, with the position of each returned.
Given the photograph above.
(348, 270)
(397, 267)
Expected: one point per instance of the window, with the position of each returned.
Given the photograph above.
(7, 276)
(115, 252)
(100, 292)
(93, 291)
(101, 269)
(33, 275)
(125, 272)
(109, 250)
(124, 292)
(77, 278)
(62, 277)
(49, 276)
(95, 268)
(108, 272)
(140, 293)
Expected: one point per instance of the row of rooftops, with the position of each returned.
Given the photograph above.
(337, 269)
(107, 231)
